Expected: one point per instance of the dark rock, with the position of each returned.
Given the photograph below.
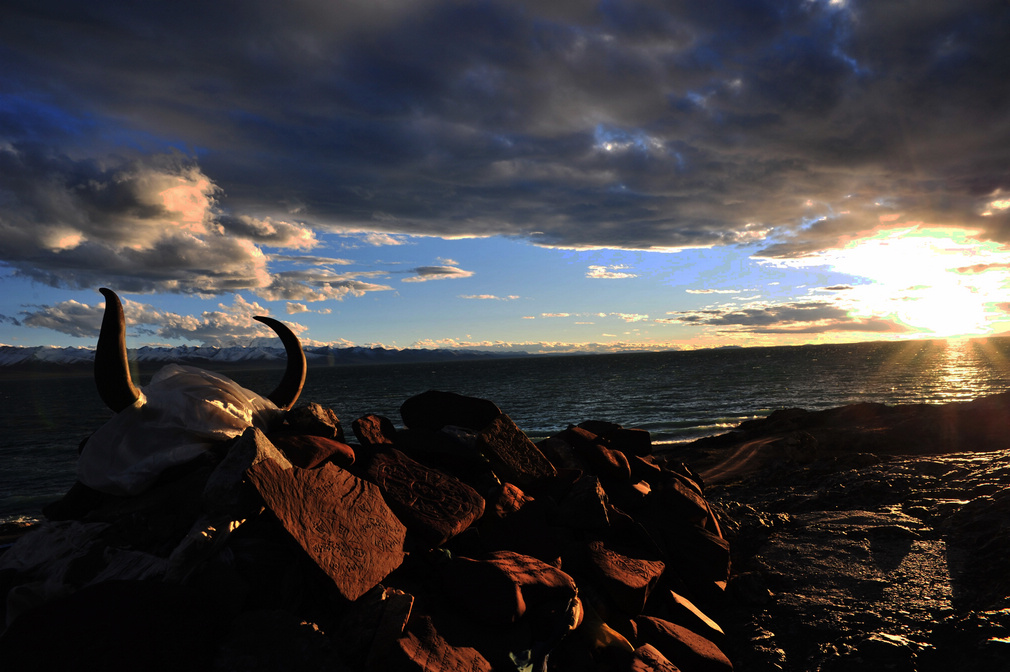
(434, 410)
(79, 501)
(340, 521)
(434, 506)
(271, 640)
(314, 420)
(117, 625)
(372, 624)
(503, 587)
(585, 506)
(225, 492)
(627, 440)
(561, 454)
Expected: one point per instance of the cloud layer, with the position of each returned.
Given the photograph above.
(795, 126)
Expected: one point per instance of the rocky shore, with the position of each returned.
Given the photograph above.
(866, 537)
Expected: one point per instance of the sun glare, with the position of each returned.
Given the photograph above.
(935, 282)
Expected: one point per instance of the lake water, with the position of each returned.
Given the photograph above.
(678, 396)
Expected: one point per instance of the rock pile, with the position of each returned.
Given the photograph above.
(454, 543)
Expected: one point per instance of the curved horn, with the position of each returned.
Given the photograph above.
(286, 394)
(112, 372)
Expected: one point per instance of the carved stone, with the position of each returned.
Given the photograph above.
(433, 505)
(424, 650)
(513, 456)
(341, 522)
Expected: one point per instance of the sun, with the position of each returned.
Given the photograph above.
(934, 282)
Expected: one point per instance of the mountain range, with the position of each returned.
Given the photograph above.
(43, 357)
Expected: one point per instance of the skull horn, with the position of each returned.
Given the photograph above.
(112, 372)
(291, 384)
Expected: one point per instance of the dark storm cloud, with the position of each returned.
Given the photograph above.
(812, 317)
(626, 124)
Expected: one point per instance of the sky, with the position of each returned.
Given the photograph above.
(506, 175)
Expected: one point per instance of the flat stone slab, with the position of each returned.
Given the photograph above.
(340, 520)
(433, 505)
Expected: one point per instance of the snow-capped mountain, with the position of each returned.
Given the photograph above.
(42, 357)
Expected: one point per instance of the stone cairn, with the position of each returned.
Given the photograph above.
(453, 544)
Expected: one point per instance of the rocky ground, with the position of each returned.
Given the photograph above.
(866, 537)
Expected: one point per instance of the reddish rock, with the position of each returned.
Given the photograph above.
(678, 609)
(423, 649)
(513, 456)
(308, 452)
(627, 580)
(684, 648)
(433, 505)
(315, 420)
(578, 438)
(374, 431)
(647, 658)
(341, 521)
(434, 410)
(610, 464)
(507, 500)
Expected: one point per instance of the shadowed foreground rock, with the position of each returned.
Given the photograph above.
(454, 543)
(866, 537)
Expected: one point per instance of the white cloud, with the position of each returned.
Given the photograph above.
(608, 272)
(228, 325)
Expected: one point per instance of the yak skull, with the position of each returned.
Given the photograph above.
(178, 415)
